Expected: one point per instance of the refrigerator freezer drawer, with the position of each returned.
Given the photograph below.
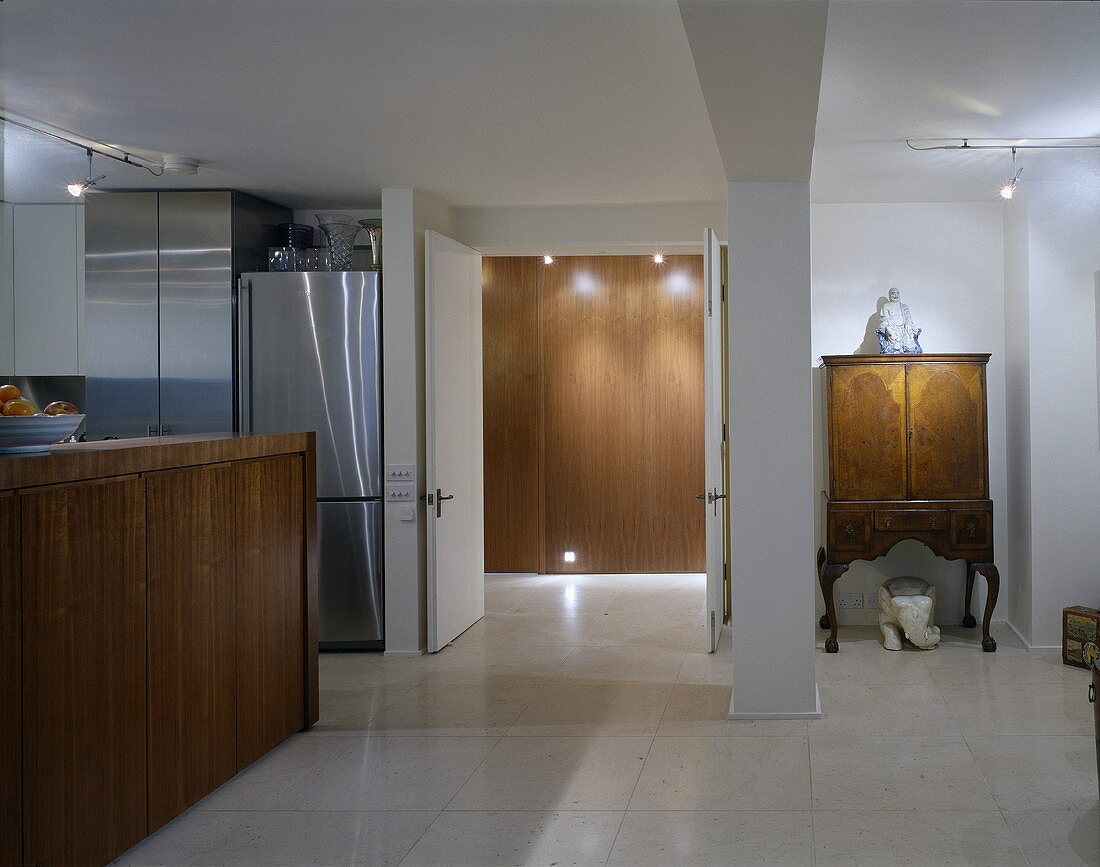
(350, 548)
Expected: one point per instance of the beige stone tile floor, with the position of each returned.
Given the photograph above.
(580, 723)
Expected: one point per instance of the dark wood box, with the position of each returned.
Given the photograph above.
(1080, 636)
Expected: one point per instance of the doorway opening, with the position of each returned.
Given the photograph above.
(595, 412)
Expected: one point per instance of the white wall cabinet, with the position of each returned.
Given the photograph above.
(48, 296)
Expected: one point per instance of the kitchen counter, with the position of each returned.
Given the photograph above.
(70, 462)
(158, 630)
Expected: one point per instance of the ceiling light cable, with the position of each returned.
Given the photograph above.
(154, 168)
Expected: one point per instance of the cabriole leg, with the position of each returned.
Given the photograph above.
(827, 575)
(968, 619)
(993, 588)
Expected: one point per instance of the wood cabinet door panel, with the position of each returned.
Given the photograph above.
(270, 603)
(192, 714)
(84, 666)
(11, 740)
(867, 432)
(947, 450)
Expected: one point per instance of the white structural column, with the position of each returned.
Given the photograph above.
(771, 497)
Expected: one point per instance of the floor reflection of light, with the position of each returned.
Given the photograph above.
(571, 596)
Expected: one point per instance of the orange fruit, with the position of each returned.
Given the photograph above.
(9, 392)
(20, 406)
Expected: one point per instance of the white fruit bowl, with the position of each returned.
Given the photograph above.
(24, 434)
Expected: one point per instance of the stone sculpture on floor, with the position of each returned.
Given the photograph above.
(906, 607)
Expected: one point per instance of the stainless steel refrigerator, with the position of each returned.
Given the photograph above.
(310, 359)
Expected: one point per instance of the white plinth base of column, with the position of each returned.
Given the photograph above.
(810, 714)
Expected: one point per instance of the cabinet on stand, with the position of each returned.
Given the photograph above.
(908, 458)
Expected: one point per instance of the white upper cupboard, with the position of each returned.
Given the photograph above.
(42, 290)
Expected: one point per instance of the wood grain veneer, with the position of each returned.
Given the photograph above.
(512, 413)
(11, 711)
(269, 604)
(96, 460)
(192, 667)
(84, 671)
(617, 373)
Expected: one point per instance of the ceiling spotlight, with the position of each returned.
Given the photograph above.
(548, 259)
(1009, 188)
(658, 258)
(76, 190)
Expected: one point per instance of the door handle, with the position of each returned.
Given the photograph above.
(439, 498)
(713, 497)
(705, 496)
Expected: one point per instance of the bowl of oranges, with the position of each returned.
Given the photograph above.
(24, 429)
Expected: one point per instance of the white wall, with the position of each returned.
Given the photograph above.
(615, 229)
(771, 451)
(1063, 230)
(1017, 593)
(406, 215)
(948, 261)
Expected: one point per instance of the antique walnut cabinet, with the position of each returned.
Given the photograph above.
(908, 459)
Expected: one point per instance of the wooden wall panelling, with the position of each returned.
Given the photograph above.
(192, 715)
(84, 666)
(270, 604)
(512, 410)
(11, 740)
(623, 413)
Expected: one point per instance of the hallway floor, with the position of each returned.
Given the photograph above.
(580, 723)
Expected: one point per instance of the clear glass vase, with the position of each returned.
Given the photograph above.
(340, 231)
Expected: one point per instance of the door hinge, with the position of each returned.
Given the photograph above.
(724, 438)
(723, 291)
(712, 629)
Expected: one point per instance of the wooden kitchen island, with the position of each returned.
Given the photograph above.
(158, 631)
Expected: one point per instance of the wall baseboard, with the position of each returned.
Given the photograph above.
(1032, 648)
(814, 714)
(420, 652)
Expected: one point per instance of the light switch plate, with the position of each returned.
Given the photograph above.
(400, 473)
(400, 493)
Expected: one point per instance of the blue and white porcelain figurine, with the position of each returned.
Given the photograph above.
(896, 331)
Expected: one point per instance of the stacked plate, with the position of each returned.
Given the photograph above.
(298, 235)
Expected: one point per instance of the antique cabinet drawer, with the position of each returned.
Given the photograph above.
(971, 529)
(910, 520)
(849, 531)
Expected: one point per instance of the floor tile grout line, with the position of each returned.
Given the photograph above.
(424, 833)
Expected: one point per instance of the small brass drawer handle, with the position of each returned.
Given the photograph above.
(888, 520)
(971, 528)
(934, 527)
(850, 530)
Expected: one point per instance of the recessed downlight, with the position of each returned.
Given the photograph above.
(548, 259)
(658, 258)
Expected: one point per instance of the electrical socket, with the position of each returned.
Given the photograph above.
(870, 600)
(848, 600)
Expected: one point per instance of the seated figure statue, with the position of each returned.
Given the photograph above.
(906, 606)
(896, 331)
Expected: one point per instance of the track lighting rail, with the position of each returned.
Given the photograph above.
(966, 146)
(129, 159)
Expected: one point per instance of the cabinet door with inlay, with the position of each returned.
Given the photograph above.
(192, 714)
(867, 431)
(270, 603)
(84, 700)
(947, 449)
(11, 788)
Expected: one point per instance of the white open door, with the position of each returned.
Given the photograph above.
(452, 346)
(715, 497)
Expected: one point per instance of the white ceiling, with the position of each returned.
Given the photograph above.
(896, 70)
(323, 102)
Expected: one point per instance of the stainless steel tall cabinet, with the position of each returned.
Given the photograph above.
(161, 271)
